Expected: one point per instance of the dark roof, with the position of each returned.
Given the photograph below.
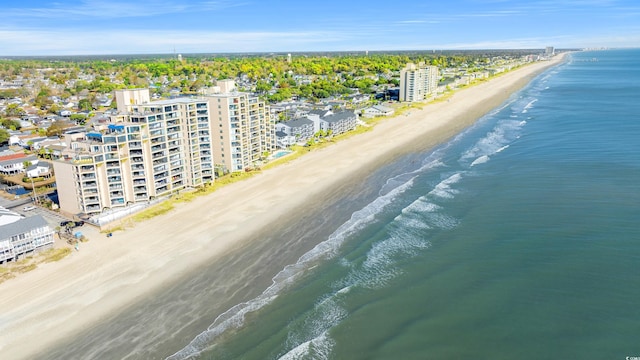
(22, 226)
(281, 134)
(339, 116)
(299, 122)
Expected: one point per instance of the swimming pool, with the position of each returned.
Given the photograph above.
(280, 153)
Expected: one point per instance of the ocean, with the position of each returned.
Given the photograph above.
(519, 238)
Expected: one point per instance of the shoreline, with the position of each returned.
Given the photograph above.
(58, 300)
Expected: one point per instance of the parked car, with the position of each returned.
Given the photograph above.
(71, 224)
(28, 208)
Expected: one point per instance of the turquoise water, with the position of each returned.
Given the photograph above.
(517, 239)
(280, 153)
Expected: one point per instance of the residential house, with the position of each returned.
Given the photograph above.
(340, 122)
(21, 235)
(302, 129)
(377, 110)
(40, 169)
(15, 164)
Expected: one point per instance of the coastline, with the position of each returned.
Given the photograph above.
(61, 299)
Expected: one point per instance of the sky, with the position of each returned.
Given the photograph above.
(95, 27)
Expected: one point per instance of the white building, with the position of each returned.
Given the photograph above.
(418, 81)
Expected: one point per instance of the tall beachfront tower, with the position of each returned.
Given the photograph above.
(242, 130)
(549, 51)
(152, 150)
(418, 81)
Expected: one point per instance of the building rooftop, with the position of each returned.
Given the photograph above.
(22, 226)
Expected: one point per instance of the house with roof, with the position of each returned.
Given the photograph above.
(316, 116)
(302, 129)
(40, 169)
(340, 122)
(377, 110)
(20, 236)
(283, 140)
(15, 164)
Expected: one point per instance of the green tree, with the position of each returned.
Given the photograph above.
(85, 104)
(14, 110)
(262, 86)
(10, 124)
(4, 136)
(57, 128)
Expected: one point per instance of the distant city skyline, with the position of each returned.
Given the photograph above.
(94, 27)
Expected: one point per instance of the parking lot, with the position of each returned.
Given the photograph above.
(26, 208)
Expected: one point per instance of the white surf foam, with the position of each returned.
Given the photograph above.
(481, 160)
(234, 317)
(502, 148)
(316, 348)
(444, 190)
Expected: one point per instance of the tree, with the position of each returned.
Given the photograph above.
(4, 136)
(56, 128)
(10, 124)
(14, 110)
(85, 104)
(262, 86)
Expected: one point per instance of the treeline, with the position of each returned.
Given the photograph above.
(273, 76)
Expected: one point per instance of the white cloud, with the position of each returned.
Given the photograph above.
(68, 42)
(117, 9)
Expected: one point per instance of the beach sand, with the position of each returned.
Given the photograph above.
(59, 300)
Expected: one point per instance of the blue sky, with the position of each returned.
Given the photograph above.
(79, 27)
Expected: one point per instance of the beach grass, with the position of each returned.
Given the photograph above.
(156, 210)
(55, 254)
(31, 262)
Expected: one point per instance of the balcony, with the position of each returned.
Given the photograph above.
(89, 184)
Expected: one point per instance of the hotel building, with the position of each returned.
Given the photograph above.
(418, 81)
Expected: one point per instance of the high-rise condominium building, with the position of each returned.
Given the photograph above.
(152, 149)
(418, 81)
(162, 147)
(242, 129)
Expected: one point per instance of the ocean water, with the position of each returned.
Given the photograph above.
(519, 238)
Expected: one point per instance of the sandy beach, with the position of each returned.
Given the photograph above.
(58, 300)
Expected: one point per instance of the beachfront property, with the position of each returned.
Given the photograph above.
(157, 148)
(20, 235)
(339, 122)
(418, 81)
(377, 110)
(242, 129)
(152, 149)
(302, 129)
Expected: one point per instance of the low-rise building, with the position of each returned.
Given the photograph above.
(340, 122)
(302, 129)
(377, 110)
(24, 236)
